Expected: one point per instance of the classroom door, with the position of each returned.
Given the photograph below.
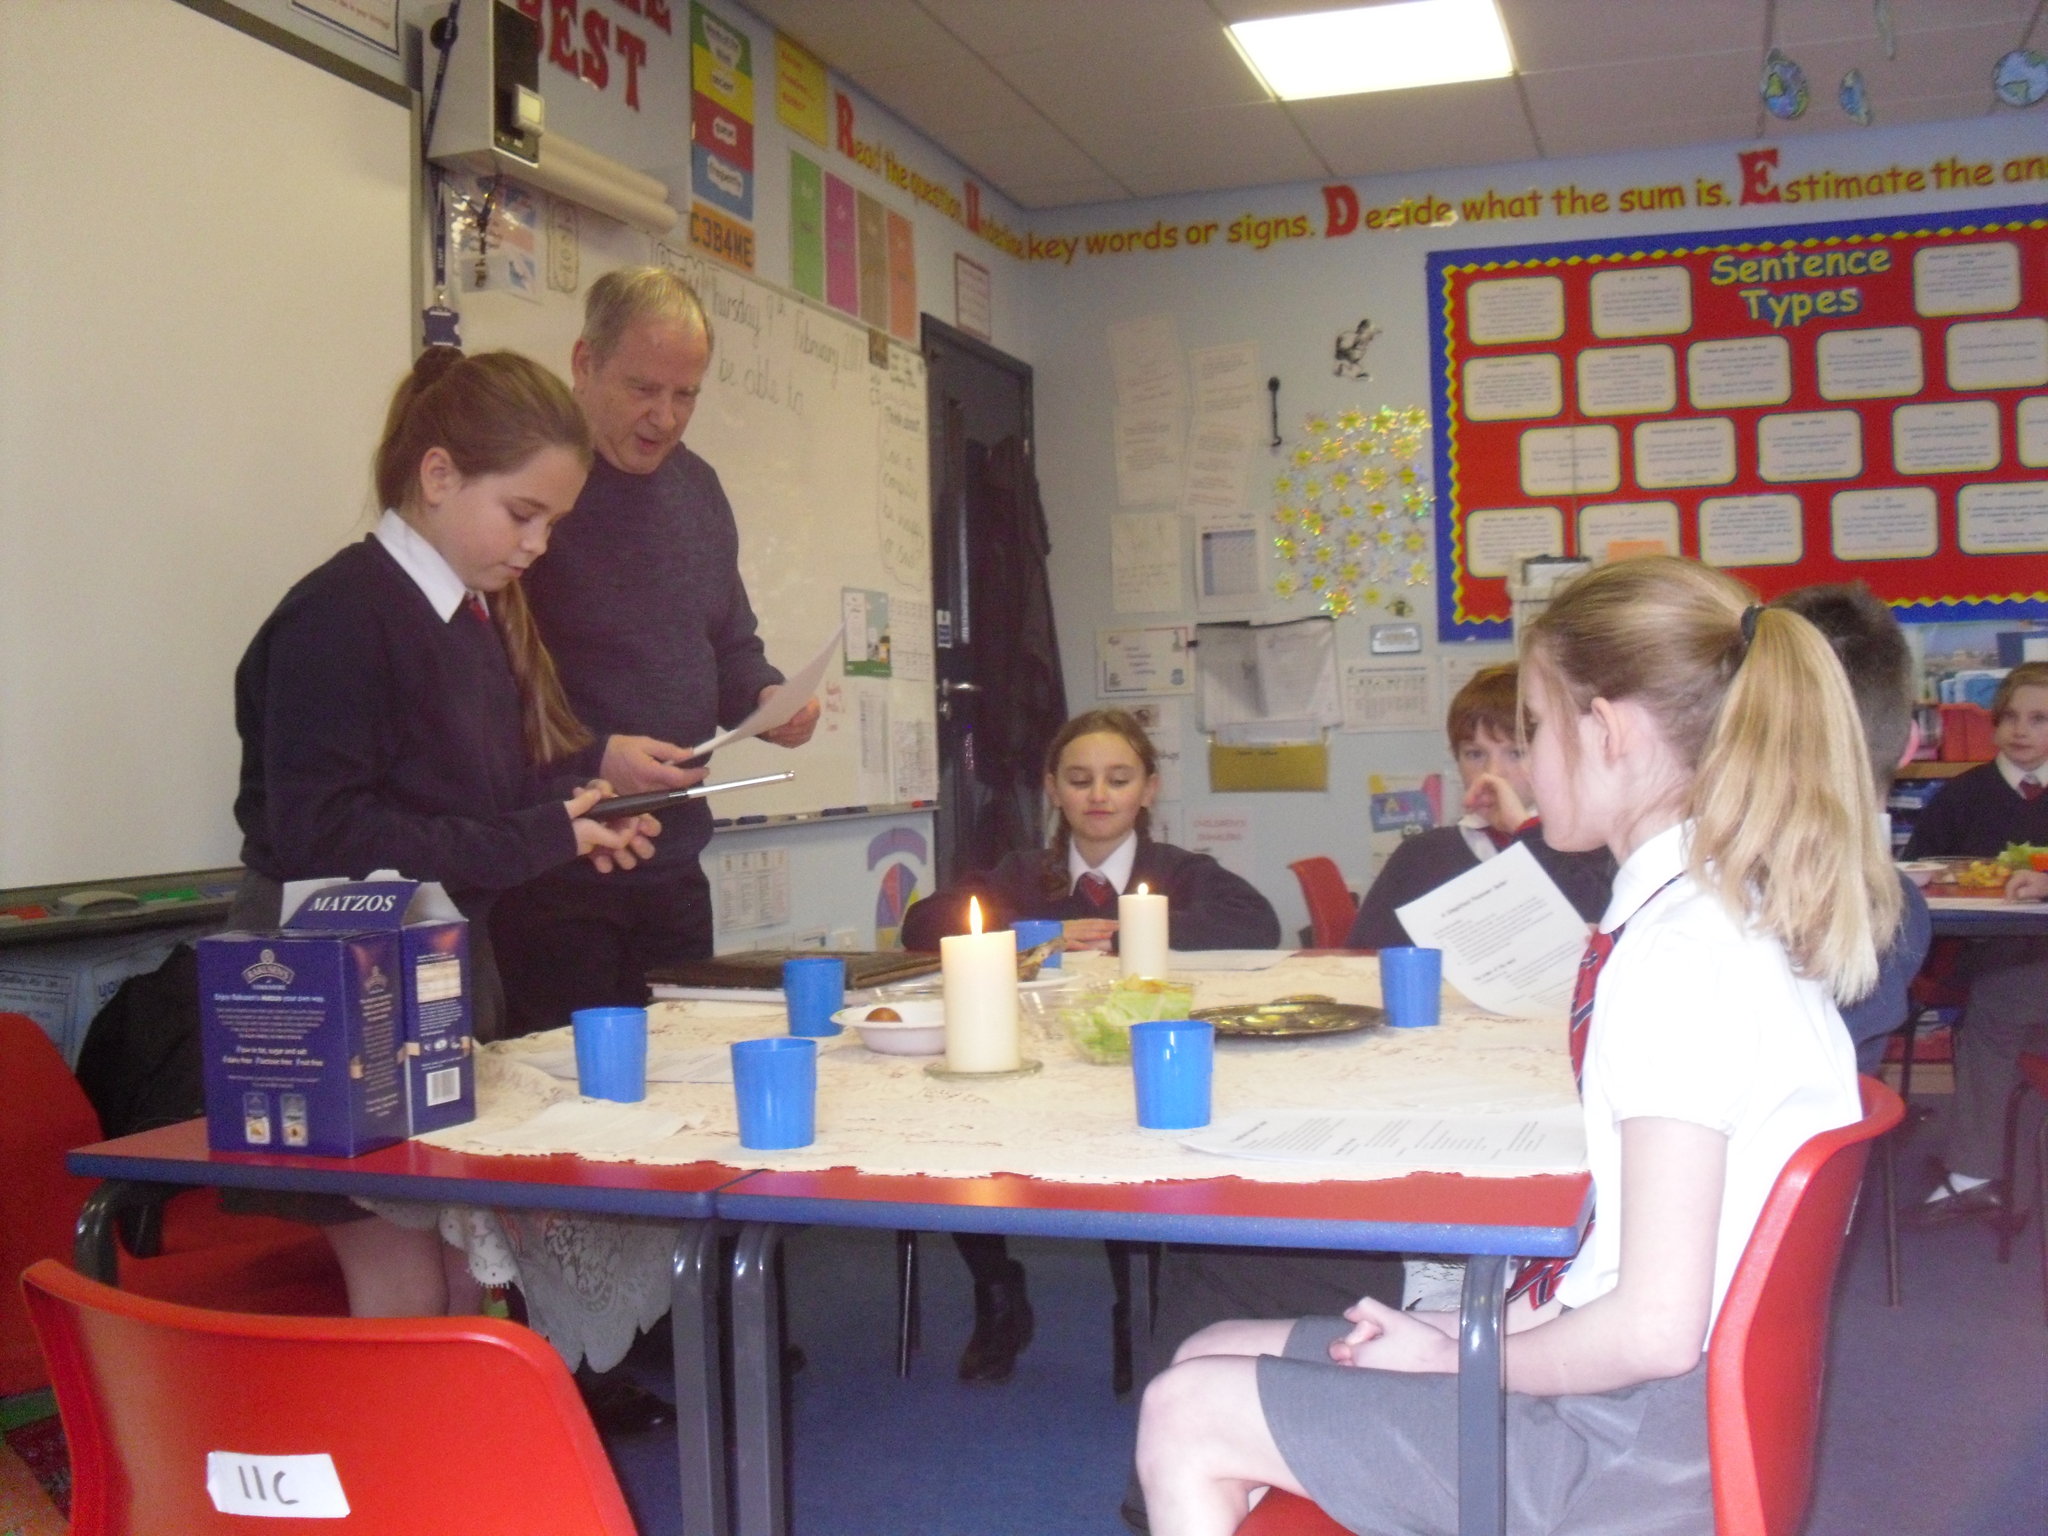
(1000, 697)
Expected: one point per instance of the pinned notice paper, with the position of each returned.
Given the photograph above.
(783, 704)
(1511, 940)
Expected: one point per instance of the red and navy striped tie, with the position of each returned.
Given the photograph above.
(1538, 1277)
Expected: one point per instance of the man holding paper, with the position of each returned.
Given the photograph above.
(644, 611)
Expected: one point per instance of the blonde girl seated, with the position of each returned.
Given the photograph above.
(1714, 748)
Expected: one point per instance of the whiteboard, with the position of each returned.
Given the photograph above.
(205, 294)
(824, 457)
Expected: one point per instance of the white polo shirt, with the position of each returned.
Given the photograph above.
(1698, 1019)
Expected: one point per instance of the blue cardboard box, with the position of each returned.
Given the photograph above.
(347, 1029)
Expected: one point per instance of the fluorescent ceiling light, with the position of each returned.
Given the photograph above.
(1376, 48)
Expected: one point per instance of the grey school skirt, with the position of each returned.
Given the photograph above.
(1378, 1450)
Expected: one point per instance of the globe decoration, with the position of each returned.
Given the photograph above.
(1784, 86)
(1855, 98)
(2021, 78)
(1351, 515)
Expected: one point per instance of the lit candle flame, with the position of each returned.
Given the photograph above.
(974, 914)
(1141, 889)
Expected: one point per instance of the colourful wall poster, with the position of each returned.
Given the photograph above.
(721, 117)
(806, 227)
(1847, 401)
(802, 97)
(842, 247)
(902, 278)
(872, 234)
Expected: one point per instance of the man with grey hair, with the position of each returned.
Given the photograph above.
(641, 603)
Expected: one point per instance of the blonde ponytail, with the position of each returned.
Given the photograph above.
(1765, 727)
(1785, 819)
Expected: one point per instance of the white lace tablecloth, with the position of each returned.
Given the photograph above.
(590, 1281)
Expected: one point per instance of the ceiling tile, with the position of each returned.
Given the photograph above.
(1100, 85)
(994, 28)
(1478, 123)
(1569, 102)
(1807, 21)
(1568, 34)
(1032, 154)
(1200, 151)
(966, 96)
(1617, 135)
(867, 35)
(1068, 194)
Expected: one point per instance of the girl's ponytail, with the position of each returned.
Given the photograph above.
(1785, 819)
(1756, 711)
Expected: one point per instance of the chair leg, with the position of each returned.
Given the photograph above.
(1888, 1169)
(2041, 1184)
(907, 1319)
(1154, 1252)
(1120, 1255)
(1911, 1031)
(2014, 1218)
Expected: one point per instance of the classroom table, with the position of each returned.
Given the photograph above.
(1977, 918)
(177, 1155)
(1490, 1220)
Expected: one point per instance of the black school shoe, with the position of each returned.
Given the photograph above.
(620, 1406)
(1003, 1326)
(1949, 1204)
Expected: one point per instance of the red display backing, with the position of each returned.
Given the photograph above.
(1851, 401)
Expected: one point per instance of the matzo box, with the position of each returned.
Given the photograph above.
(348, 1028)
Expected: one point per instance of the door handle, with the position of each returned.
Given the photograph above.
(947, 688)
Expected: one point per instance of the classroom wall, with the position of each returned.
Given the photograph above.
(1292, 298)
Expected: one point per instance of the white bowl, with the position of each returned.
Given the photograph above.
(921, 1031)
(1922, 871)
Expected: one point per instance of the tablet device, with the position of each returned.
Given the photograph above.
(661, 799)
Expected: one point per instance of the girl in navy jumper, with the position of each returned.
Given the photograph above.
(394, 707)
(1978, 813)
(1101, 776)
(1714, 748)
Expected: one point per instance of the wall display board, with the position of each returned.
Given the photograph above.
(1823, 402)
(202, 314)
(820, 444)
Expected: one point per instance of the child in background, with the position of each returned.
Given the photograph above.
(1500, 811)
(397, 711)
(1664, 710)
(1101, 775)
(1977, 813)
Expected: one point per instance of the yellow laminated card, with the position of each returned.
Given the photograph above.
(1304, 766)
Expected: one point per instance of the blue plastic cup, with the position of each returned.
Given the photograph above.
(611, 1053)
(814, 986)
(1411, 985)
(1034, 931)
(1172, 1063)
(776, 1083)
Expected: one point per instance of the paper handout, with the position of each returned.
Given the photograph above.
(784, 703)
(1549, 1140)
(1511, 940)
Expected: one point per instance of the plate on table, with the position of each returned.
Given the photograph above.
(1291, 1018)
(919, 1028)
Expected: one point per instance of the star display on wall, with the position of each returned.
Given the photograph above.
(1351, 515)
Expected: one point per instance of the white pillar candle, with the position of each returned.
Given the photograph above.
(979, 971)
(1141, 933)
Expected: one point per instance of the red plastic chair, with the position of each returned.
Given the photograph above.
(1331, 906)
(1768, 1347)
(249, 1263)
(460, 1426)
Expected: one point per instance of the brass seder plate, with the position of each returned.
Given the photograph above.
(1288, 1018)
